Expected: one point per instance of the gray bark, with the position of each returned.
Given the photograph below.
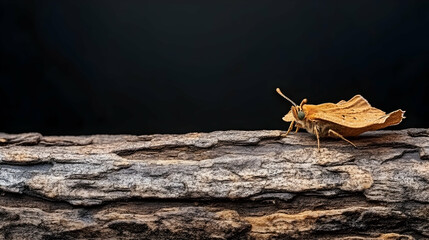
(218, 185)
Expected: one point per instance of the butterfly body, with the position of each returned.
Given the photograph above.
(322, 127)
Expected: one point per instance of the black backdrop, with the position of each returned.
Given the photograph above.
(87, 66)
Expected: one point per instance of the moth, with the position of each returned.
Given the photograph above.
(339, 120)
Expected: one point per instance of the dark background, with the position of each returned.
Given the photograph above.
(85, 67)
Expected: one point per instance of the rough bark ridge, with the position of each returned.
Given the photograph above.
(218, 185)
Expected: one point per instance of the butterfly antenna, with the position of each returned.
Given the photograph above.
(281, 94)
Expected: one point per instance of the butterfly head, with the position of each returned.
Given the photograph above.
(297, 111)
(301, 115)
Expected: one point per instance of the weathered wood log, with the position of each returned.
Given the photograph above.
(219, 185)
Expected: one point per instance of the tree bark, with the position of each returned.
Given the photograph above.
(218, 185)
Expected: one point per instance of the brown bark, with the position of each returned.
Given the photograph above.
(219, 185)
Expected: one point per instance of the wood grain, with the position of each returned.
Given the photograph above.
(218, 185)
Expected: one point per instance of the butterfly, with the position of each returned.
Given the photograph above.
(339, 120)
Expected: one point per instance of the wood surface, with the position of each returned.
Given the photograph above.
(218, 185)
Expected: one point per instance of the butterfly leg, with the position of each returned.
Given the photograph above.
(290, 128)
(330, 131)
(297, 128)
(316, 132)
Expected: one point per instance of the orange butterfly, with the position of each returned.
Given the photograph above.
(342, 119)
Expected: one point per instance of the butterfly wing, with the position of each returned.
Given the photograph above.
(356, 113)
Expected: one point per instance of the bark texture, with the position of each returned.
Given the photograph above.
(218, 185)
